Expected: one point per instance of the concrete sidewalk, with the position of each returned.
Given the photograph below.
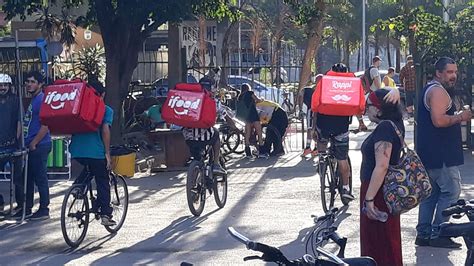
(271, 201)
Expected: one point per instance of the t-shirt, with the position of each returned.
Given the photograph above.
(374, 75)
(333, 125)
(9, 108)
(383, 132)
(90, 145)
(265, 110)
(31, 121)
(205, 134)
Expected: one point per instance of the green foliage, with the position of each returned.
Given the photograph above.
(91, 64)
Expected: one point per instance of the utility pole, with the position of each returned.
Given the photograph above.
(363, 36)
(445, 10)
(240, 48)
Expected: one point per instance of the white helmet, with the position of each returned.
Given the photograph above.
(5, 78)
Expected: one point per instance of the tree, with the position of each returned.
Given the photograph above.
(124, 25)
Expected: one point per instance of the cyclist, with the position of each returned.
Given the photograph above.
(198, 138)
(304, 97)
(92, 150)
(336, 129)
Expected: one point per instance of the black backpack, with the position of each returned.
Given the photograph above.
(367, 80)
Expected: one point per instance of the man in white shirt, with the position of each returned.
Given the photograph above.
(374, 74)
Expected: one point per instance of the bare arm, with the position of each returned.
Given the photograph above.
(386, 81)
(41, 133)
(438, 101)
(256, 99)
(383, 151)
(377, 83)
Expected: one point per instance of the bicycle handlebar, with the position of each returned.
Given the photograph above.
(460, 207)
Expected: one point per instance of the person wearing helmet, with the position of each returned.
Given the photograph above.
(336, 129)
(10, 133)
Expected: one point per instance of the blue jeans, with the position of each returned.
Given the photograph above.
(446, 183)
(37, 175)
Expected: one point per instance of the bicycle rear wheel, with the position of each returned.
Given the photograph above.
(195, 188)
(118, 201)
(75, 216)
(220, 187)
(328, 188)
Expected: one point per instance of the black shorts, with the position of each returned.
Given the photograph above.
(410, 98)
(340, 143)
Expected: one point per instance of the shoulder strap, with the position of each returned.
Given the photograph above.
(402, 141)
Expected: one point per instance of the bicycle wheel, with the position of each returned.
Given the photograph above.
(195, 188)
(339, 180)
(75, 216)
(220, 187)
(118, 201)
(328, 188)
(233, 142)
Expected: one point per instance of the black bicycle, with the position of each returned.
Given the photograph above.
(201, 178)
(331, 181)
(80, 202)
(466, 230)
(273, 254)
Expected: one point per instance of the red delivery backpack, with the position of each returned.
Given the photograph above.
(71, 107)
(341, 95)
(189, 105)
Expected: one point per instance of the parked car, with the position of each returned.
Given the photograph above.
(160, 86)
(266, 92)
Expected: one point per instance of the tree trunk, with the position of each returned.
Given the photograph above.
(398, 58)
(315, 33)
(376, 38)
(338, 46)
(225, 53)
(346, 53)
(358, 58)
(389, 56)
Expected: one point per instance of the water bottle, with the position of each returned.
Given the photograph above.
(380, 215)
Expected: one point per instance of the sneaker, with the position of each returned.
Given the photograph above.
(264, 155)
(306, 152)
(107, 220)
(19, 213)
(444, 242)
(218, 170)
(41, 214)
(422, 242)
(346, 196)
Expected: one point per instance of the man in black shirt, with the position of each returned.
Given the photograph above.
(10, 133)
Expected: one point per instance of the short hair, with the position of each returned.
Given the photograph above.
(391, 69)
(441, 63)
(36, 75)
(98, 87)
(376, 59)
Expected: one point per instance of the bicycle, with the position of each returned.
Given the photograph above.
(200, 178)
(232, 139)
(80, 202)
(466, 230)
(273, 254)
(331, 182)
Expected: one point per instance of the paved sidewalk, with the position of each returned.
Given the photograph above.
(269, 200)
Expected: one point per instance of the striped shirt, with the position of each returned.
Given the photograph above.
(204, 134)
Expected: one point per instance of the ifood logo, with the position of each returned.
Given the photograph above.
(57, 100)
(176, 102)
(341, 85)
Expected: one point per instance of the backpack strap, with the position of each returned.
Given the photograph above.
(402, 141)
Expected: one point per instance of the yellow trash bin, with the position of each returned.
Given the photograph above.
(123, 161)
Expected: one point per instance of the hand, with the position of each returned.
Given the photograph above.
(371, 210)
(109, 161)
(32, 146)
(301, 115)
(393, 96)
(466, 115)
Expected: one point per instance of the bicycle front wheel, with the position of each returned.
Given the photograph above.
(328, 188)
(195, 188)
(118, 201)
(75, 216)
(220, 187)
